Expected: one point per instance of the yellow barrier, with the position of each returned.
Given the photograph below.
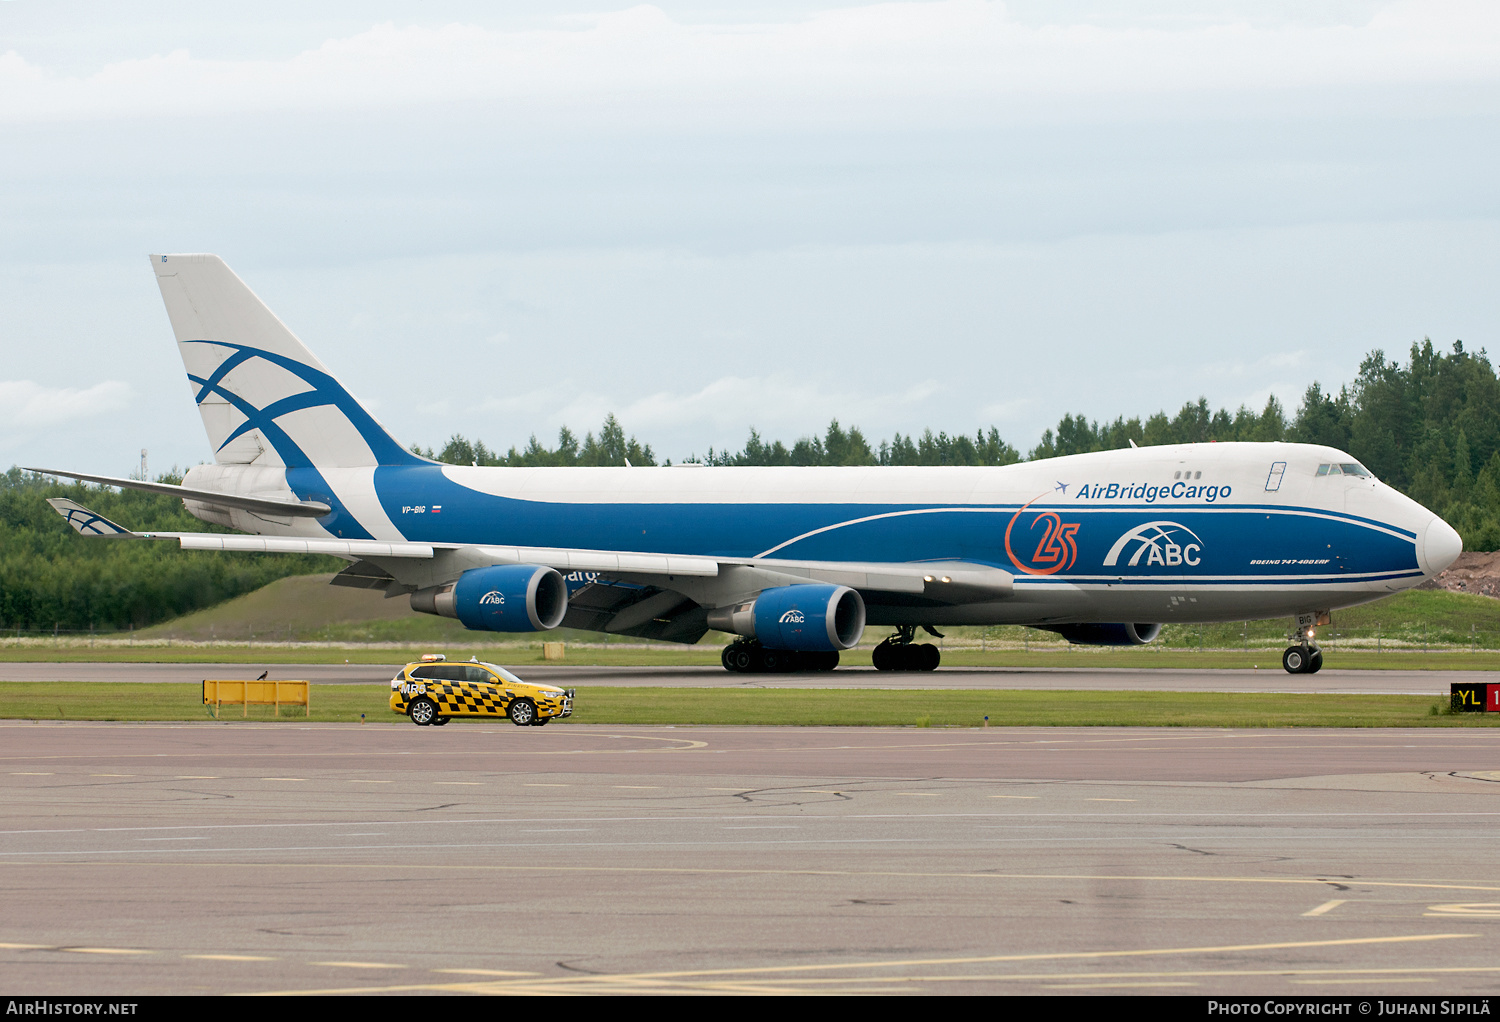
(261, 693)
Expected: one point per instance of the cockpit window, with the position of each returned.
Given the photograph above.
(1346, 468)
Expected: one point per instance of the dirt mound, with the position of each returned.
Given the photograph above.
(1472, 573)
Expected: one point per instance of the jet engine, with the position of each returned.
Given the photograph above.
(809, 618)
(501, 598)
(1127, 634)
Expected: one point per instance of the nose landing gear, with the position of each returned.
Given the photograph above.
(1304, 657)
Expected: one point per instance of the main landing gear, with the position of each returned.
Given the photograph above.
(1304, 657)
(899, 653)
(750, 657)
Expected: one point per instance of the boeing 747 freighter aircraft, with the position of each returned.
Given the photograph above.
(1100, 548)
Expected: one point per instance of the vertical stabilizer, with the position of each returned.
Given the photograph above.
(265, 399)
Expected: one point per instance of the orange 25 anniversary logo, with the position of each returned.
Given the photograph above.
(1056, 547)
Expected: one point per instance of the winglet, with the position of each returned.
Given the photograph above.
(86, 523)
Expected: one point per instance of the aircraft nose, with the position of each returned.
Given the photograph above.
(1441, 546)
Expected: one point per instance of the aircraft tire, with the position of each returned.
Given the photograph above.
(928, 658)
(1314, 662)
(739, 658)
(1294, 661)
(885, 657)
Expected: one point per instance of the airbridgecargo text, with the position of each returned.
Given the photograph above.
(50, 1007)
(1151, 494)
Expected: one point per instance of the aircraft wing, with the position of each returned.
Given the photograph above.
(652, 595)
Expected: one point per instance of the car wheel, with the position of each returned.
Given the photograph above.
(440, 721)
(522, 712)
(423, 712)
(540, 721)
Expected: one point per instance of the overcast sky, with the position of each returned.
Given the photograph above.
(710, 216)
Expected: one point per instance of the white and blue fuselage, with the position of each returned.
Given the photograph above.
(1181, 533)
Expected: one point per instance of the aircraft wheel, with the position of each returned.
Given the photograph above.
(1314, 662)
(1294, 661)
(928, 658)
(423, 712)
(826, 661)
(886, 657)
(739, 657)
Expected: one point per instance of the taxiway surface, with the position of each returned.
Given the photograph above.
(162, 858)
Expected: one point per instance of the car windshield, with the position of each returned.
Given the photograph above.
(503, 673)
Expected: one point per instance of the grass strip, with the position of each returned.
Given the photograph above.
(796, 707)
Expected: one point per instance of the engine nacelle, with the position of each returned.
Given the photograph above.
(810, 618)
(1126, 634)
(502, 598)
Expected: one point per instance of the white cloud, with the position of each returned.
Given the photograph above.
(27, 405)
(959, 59)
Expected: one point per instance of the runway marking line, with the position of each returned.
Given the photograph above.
(1366, 979)
(359, 965)
(1479, 909)
(283, 778)
(1325, 908)
(643, 979)
(105, 950)
(710, 871)
(484, 972)
(31, 773)
(233, 958)
(362, 780)
(1015, 796)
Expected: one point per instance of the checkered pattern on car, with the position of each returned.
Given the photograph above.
(457, 697)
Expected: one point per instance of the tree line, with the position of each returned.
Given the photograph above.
(50, 577)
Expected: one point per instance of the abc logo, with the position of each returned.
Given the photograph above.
(493, 596)
(793, 617)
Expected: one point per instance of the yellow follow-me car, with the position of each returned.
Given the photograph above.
(433, 691)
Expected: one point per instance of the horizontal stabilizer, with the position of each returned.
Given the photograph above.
(86, 523)
(265, 505)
